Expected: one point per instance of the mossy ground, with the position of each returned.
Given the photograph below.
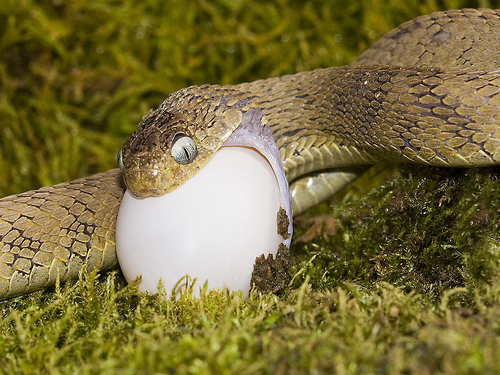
(400, 275)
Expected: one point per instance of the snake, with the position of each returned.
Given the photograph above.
(428, 92)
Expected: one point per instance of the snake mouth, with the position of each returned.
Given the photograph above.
(255, 134)
(144, 193)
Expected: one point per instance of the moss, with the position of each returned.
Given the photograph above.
(427, 230)
(98, 326)
(400, 277)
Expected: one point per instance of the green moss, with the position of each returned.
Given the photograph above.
(98, 326)
(402, 276)
(427, 230)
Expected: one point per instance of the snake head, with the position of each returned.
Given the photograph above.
(167, 149)
(160, 155)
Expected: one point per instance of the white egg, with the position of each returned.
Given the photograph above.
(212, 228)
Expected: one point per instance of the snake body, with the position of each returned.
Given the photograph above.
(428, 92)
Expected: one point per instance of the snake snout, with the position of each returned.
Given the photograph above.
(146, 182)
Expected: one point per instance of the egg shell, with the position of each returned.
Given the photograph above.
(211, 228)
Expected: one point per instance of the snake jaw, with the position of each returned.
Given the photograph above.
(254, 132)
(143, 193)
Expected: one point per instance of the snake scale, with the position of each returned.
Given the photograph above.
(427, 92)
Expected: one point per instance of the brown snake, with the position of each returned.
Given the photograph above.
(428, 92)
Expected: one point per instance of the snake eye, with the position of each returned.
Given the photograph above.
(183, 149)
(119, 159)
